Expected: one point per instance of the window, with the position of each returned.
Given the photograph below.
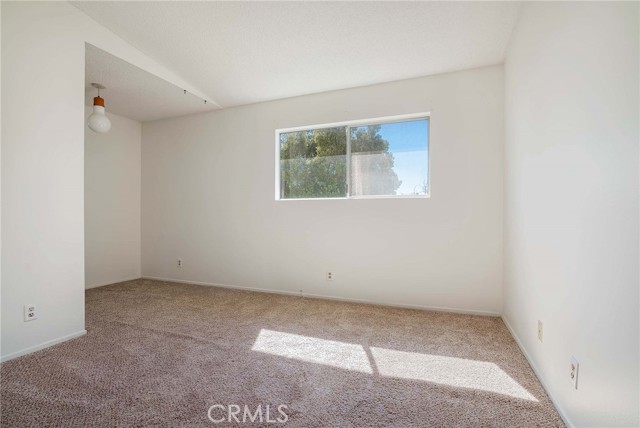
(364, 159)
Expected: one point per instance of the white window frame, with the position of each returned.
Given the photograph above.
(349, 124)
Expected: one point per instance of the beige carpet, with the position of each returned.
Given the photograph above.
(161, 354)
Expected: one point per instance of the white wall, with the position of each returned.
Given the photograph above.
(43, 45)
(0, 172)
(208, 198)
(112, 202)
(571, 206)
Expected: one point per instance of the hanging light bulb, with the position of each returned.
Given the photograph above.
(98, 121)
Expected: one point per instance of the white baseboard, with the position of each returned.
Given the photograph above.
(102, 284)
(43, 345)
(329, 297)
(555, 402)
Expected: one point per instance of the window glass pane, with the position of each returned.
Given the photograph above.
(313, 164)
(390, 159)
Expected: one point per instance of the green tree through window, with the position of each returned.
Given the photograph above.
(313, 164)
(371, 163)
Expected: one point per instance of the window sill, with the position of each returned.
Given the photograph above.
(358, 198)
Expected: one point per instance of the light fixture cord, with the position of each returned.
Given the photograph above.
(185, 92)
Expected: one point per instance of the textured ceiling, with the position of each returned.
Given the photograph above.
(134, 93)
(244, 52)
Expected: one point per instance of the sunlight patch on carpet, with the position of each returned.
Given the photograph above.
(451, 371)
(342, 355)
(443, 370)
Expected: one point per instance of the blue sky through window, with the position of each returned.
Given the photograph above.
(409, 142)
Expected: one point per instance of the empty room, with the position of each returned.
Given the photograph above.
(320, 214)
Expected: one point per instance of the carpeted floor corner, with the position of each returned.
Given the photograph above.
(161, 354)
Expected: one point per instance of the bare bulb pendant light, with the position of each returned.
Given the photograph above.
(98, 121)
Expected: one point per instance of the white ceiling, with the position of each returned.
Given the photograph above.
(134, 93)
(245, 52)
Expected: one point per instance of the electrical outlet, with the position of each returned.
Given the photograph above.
(180, 263)
(574, 372)
(329, 276)
(30, 313)
(540, 327)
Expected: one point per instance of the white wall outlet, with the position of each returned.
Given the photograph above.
(180, 263)
(574, 372)
(30, 313)
(329, 276)
(540, 330)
